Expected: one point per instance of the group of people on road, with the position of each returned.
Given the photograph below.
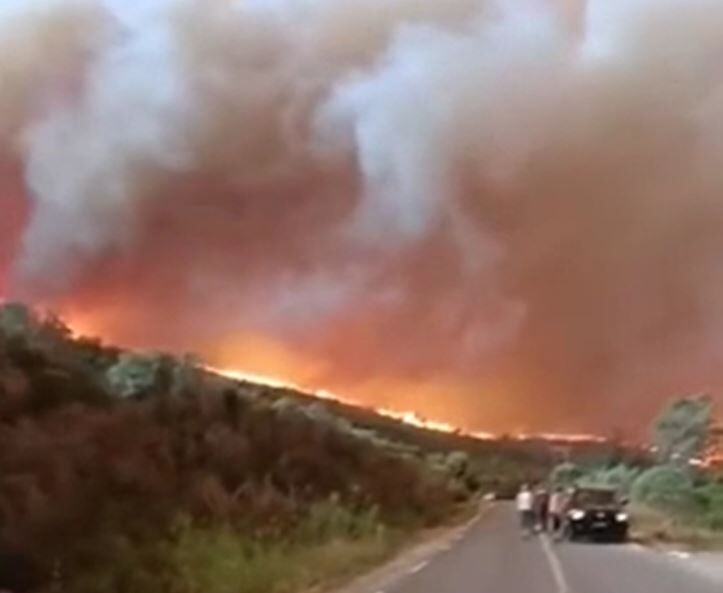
(543, 510)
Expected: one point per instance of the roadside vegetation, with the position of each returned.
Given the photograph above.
(125, 472)
(675, 497)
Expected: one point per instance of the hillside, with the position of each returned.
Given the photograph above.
(493, 464)
(115, 466)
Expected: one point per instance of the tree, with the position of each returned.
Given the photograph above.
(682, 430)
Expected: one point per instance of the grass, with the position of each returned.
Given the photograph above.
(331, 545)
(658, 528)
(220, 561)
(329, 548)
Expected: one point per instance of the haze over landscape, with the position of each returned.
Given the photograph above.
(504, 214)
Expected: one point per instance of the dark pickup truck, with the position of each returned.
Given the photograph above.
(597, 514)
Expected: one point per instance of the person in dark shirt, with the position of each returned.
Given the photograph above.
(541, 503)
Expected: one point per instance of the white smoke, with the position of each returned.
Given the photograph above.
(438, 93)
(525, 185)
(90, 155)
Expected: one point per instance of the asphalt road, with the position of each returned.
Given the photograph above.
(492, 557)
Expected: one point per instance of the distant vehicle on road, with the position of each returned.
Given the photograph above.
(597, 514)
(507, 491)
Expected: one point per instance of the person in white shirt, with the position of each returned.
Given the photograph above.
(526, 508)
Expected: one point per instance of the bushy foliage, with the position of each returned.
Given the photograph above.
(457, 462)
(329, 519)
(566, 474)
(224, 561)
(133, 375)
(16, 320)
(710, 498)
(44, 331)
(672, 499)
(620, 477)
(664, 486)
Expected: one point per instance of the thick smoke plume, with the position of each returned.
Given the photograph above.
(504, 213)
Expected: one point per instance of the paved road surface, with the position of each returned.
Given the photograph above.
(492, 558)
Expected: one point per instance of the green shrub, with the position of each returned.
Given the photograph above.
(710, 496)
(665, 487)
(222, 561)
(133, 375)
(16, 320)
(332, 540)
(620, 477)
(566, 474)
(330, 520)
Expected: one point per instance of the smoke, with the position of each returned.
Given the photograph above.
(502, 212)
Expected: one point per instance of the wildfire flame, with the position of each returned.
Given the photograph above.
(405, 416)
(83, 325)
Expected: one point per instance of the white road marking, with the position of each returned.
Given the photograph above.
(681, 555)
(399, 575)
(419, 567)
(555, 566)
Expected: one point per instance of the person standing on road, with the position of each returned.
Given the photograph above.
(526, 508)
(567, 498)
(541, 502)
(556, 510)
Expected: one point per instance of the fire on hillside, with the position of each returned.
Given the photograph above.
(406, 416)
(84, 324)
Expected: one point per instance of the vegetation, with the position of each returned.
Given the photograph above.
(141, 472)
(566, 474)
(672, 498)
(683, 429)
(122, 472)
